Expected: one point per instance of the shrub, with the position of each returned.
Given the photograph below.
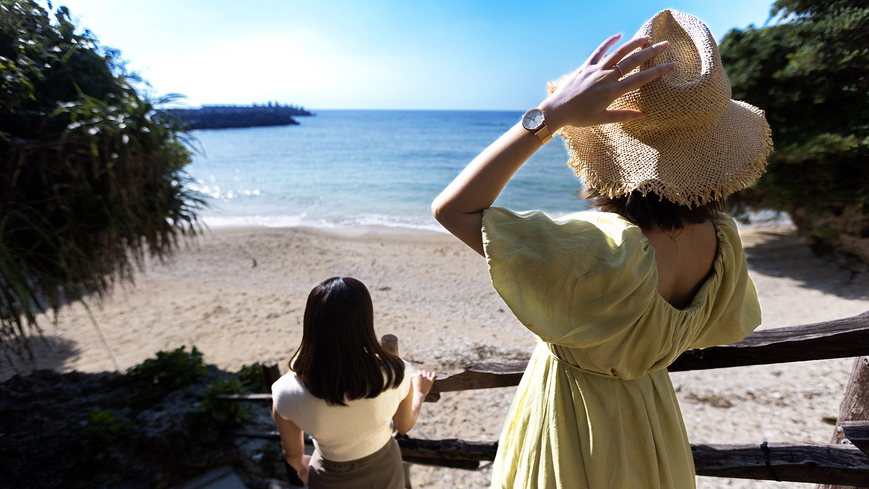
(224, 414)
(91, 173)
(271, 461)
(810, 71)
(101, 437)
(251, 378)
(152, 379)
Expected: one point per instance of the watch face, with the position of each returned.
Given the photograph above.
(533, 119)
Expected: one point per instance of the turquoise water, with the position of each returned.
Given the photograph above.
(364, 168)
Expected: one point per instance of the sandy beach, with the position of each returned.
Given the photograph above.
(238, 295)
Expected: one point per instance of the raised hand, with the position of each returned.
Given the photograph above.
(583, 96)
(423, 381)
(581, 99)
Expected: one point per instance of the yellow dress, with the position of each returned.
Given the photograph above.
(595, 407)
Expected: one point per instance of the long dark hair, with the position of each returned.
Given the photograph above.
(340, 358)
(650, 211)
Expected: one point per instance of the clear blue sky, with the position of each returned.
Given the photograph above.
(373, 54)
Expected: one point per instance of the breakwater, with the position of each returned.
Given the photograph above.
(228, 116)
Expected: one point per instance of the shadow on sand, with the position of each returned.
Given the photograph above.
(49, 353)
(788, 256)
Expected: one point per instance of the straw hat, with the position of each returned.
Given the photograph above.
(694, 144)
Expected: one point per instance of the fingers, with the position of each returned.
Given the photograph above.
(634, 60)
(429, 377)
(645, 76)
(424, 375)
(601, 50)
(303, 474)
(611, 116)
(618, 56)
(424, 381)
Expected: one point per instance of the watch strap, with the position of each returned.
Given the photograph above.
(543, 133)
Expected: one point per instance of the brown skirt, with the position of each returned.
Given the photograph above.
(380, 470)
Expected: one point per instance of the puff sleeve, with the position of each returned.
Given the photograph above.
(568, 281)
(587, 284)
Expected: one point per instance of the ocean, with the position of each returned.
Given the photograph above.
(372, 168)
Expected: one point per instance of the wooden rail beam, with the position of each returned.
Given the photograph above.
(449, 449)
(805, 462)
(842, 338)
(481, 375)
(453, 453)
(817, 463)
(857, 432)
(245, 397)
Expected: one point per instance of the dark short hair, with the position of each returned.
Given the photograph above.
(651, 210)
(340, 358)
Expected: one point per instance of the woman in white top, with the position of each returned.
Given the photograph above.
(346, 391)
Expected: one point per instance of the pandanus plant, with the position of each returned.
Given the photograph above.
(91, 172)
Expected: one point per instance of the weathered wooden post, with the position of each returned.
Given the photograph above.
(271, 373)
(389, 342)
(855, 405)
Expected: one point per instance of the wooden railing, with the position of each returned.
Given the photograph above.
(837, 463)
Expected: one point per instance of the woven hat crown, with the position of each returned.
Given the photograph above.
(693, 145)
(697, 91)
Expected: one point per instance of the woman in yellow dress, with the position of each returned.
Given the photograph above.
(617, 295)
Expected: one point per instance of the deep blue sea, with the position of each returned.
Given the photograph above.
(350, 168)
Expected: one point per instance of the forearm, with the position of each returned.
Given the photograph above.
(299, 463)
(294, 451)
(580, 100)
(404, 422)
(292, 442)
(488, 173)
(459, 207)
(418, 399)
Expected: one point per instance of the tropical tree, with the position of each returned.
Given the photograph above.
(810, 71)
(91, 173)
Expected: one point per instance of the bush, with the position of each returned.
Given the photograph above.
(271, 461)
(152, 379)
(101, 437)
(91, 173)
(224, 414)
(251, 378)
(810, 72)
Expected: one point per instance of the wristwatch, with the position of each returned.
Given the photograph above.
(534, 121)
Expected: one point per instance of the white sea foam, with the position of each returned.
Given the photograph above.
(371, 221)
(244, 221)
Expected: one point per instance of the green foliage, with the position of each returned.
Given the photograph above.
(228, 414)
(152, 379)
(44, 63)
(224, 414)
(810, 72)
(272, 461)
(101, 437)
(251, 378)
(91, 173)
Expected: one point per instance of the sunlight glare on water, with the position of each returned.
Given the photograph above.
(364, 168)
